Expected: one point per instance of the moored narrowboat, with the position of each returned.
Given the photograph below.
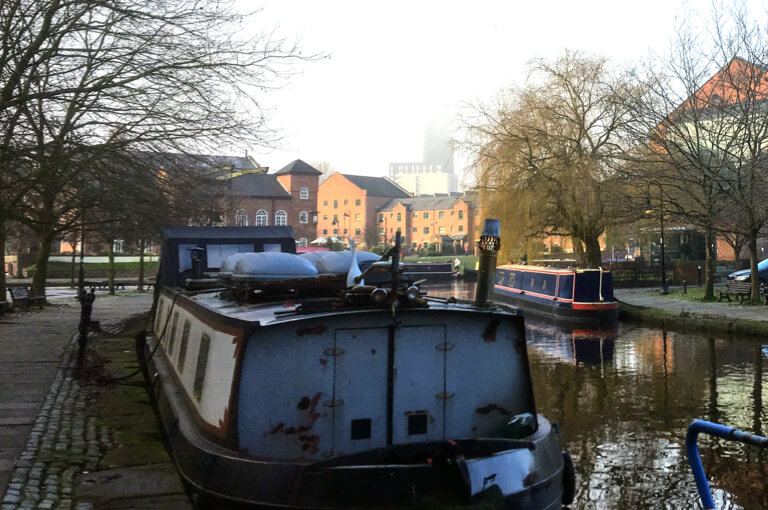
(563, 295)
(275, 395)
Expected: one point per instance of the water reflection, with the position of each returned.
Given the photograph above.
(624, 398)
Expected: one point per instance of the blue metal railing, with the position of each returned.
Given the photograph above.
(713, 429)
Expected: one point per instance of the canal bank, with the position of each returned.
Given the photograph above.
(80, 439)
(648, 307)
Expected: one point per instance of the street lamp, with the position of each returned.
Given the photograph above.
(649, 210)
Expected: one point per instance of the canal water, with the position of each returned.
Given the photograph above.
(623, 399)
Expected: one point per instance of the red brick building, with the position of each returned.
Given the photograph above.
(347, 206)
(447, 220)
(287, 197)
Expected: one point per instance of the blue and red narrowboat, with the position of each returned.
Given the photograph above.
(567, 295)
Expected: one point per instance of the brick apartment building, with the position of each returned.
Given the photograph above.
(286, 197)
(347, 206)
(449, 220)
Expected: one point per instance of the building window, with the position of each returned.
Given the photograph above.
(325, 231)
(461, 228)
(241, 218)
(262, 218)
(358, 232)
(399, 217)
(281, 218)
(325, 202)
(117, 246)
(461, 215)
(304, 194)
(415, 215)
(345, 201)
(303, 242)
(202, 364)
(335, 204)
(381, 217)
(441, 214)
(358, 217)
(357, 201)
(335, 219)
(335, 231)
(426, 230)
(381, 231)
(314, 218)
(325, 216)
(303, 217)
(398, 229)
(345, 231)
(451, 212)
(426, 215)
(415, 229)
(452, 228)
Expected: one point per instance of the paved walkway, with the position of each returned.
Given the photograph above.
(46, 437)
(651, 298)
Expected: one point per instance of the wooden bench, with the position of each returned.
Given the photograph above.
(738, 289)
(21, 295)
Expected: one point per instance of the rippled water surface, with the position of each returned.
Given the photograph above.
(623, 399)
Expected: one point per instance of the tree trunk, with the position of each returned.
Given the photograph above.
(711, 260)
(578, 252)
(594, 256)
(74, 262)
(140, 285)
(3, 296)
(44, 242)
(754, 295)
(111, 267)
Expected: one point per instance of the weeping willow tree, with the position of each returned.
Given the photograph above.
(546, 155)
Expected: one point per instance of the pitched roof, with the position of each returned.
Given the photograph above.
(377, 186)
(257, 185)
(298, 167)
(427, 203)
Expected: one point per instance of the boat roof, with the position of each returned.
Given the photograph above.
(276, 312)
(543, 269)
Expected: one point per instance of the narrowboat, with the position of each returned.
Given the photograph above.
(278, 389)
(567, 296)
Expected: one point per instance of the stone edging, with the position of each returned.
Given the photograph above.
(692, 322)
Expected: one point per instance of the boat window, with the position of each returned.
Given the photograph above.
(159, 317)
(360, 429)
(546, 284)
(501, 278)
(511, 280)
(183, 345)
(218, 253)
(417, 424)
(565, 286)
(171, 339)
(202, 363)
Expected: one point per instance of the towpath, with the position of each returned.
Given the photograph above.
(651, 298)
(57, 436)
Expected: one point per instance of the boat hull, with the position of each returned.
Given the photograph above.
(561, 313)
(228, 479)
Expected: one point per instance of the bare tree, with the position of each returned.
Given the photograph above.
(549, 151)
(128, 75)
(702, 121)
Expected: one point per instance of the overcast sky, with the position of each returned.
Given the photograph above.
(396, 65)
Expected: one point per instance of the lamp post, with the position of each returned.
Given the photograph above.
(664, 288)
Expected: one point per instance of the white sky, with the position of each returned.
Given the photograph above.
(394, 65)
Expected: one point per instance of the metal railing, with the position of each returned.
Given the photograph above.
(713, 429)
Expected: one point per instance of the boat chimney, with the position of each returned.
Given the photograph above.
(489, 246)
(196, 254)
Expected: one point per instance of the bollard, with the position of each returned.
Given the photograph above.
(685, 287)
(86, 307)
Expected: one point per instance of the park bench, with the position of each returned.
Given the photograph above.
(740, 290)
(21, 295)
